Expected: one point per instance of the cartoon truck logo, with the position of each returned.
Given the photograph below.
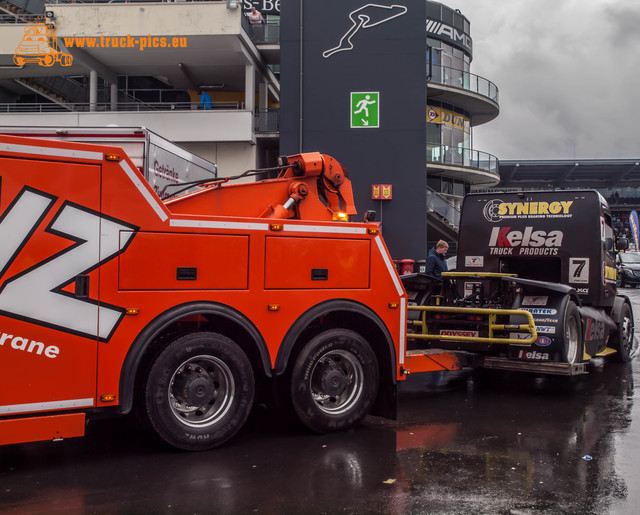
(40, 45)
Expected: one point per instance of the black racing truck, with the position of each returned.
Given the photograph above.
(535, 285)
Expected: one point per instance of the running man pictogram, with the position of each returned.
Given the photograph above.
(365, 109)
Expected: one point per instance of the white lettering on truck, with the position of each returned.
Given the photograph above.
(36, 294)
(528, 242)
(23, 344)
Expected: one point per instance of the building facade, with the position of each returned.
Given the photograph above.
(457, 101)
(135, 64)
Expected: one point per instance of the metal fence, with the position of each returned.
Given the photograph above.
(465, 80)
(442, 207)
(463, 157)
(122, 106)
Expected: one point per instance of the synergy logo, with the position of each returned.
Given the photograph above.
(40, 45)
(504, 241)
(496, 210)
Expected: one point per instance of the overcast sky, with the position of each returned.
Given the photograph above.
(568, 73)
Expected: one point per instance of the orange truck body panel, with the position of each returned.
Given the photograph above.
(92, 259)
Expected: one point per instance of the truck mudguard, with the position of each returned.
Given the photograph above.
(171, 317)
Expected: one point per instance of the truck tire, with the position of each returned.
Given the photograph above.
(334, 381)
(572, 332)
(623, 339)
(199, 391)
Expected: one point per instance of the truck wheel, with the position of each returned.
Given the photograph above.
(334, 381)
(572, 335)
(199, 391)
(48, 60)
(624, 335)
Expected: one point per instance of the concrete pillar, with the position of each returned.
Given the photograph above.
(114, 96)
(249, 87)
(263, 104)
(93, 90)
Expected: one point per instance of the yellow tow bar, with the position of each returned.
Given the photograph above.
(529, 327)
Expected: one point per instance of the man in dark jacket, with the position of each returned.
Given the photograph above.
(436, 263)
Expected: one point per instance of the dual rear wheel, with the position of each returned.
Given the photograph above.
(200, 388)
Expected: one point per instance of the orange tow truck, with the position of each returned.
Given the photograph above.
(187, 310)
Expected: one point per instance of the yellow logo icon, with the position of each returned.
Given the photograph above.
(40, 45)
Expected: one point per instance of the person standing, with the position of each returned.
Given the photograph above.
(205, 100)
(436, 263)
(256, 20)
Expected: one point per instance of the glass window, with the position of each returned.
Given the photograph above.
(433, 182)
(433, 133)
(447, 185)
(447, 15)
(433, 11)
(458, 188)
(458, 21)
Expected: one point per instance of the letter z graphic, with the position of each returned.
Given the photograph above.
(36, 294)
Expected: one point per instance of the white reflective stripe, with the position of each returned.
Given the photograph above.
(390, 265)
(340, 229)
(47, 151)
(400, 290)
(218, 225)
(151, 200)
(46, 406)
(403, 324)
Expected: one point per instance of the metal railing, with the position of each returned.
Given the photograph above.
(267, 33)
(267, 120)
(24, 6)
(463, 157)
(436, 203)
(464, 80)
(63, 86)
(18, 18)
(122, 106)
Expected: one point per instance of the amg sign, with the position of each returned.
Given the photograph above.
(447, 32)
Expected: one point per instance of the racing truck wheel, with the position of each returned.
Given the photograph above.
(623, 339)
(199, 391)
(572, 335)
(334, 381)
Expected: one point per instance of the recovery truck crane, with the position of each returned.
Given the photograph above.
(185, 310)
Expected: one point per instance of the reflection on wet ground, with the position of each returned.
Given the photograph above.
(462, 444)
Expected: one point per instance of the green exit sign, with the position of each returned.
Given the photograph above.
(365, 109)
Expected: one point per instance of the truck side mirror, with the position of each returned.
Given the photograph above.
(370, 216)
(622, 244)
(608, 244)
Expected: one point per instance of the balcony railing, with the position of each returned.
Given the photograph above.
(267, 120)
(436, 203)
(267, 33)
(463, 157)
(122, 106)
(464, 80)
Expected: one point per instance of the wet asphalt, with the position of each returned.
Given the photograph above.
(514, 444)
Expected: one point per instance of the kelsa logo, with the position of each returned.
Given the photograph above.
(504, 241)
(496, 210)
(533, 355)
